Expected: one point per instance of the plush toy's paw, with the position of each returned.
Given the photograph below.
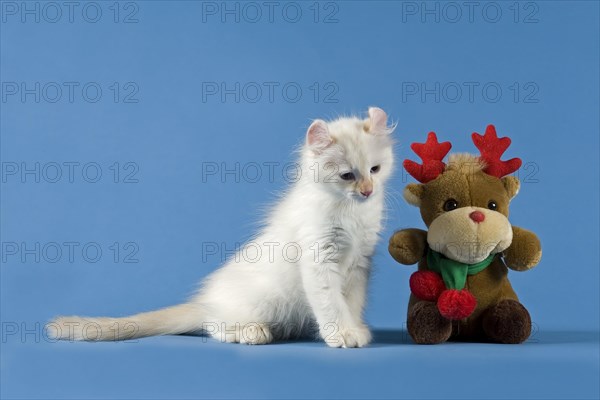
(507, 322)
(525, 252)
(408, 246)
(426, 325)
(456, 304)
(426, 285)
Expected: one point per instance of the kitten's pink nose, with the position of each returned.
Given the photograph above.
(365, 187)
(477, 216)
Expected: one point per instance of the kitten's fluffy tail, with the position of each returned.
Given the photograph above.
(183, 318)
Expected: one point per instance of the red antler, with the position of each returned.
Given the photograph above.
(491, 148)
(432, 153)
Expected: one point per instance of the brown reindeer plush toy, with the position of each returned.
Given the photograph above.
(461, 289)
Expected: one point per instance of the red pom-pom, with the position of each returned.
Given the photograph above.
(456, 304)
(426, 285)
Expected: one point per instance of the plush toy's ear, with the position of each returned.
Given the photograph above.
(413, 193)
(512, 185)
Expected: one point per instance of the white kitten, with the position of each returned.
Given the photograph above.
(306, 270)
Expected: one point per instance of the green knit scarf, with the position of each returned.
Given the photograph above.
(454, 273)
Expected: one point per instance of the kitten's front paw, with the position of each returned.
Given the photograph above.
(252, 333)
(346, 337)
(256, 334)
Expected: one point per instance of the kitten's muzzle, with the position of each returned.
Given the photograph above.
(366, 188)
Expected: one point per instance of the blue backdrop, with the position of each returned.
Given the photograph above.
(141, 140)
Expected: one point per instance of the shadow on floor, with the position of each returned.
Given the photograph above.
(395, 337)
(390, 337)
(399, 336)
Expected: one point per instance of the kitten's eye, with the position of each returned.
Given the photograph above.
(450, 205)
(348, 176)
(375, 169)
(492, 205)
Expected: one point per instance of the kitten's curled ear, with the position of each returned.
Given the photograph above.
(317, 136)
(377, 123)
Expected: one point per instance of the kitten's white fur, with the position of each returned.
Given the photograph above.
(314, 261)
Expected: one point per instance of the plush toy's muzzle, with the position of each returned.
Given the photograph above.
(469, 234)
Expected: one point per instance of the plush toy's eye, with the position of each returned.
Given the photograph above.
(492, 205)
(450, 205)
(348, 176)
(375, 169)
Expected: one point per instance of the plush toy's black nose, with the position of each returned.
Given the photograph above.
(477, 216)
